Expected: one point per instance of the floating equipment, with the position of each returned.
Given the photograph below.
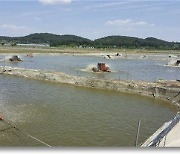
(15, 58)
(101, 67)
(174, 63)
(177, 63)
(30, 55)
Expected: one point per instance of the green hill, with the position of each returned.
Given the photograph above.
(52, 39)
(134, 42)
(106, 42)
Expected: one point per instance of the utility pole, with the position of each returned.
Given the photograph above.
(4, 65)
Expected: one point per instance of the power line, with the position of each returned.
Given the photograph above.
(38, 140)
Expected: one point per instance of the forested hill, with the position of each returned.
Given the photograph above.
(52, 39)
(106, 42)
(134, 42)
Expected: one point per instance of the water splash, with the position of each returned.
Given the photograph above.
(89, 68)
(6, 58)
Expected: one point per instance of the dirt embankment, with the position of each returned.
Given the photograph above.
(166, 90)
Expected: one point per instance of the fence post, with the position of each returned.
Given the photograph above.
(138, 130)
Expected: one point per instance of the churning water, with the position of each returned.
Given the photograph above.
(128, 69)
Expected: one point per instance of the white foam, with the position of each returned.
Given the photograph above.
(89, 68)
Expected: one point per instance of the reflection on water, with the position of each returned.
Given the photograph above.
(64, 115)
(128, 69)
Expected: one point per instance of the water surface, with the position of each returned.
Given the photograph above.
(64, 115)
(128, 69)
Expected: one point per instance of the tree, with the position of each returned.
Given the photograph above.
(13, 44)
(2, 43)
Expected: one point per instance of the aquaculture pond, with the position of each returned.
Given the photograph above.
(64, 115)
(131, 68)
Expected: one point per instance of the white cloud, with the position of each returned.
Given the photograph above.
(37, 18)
(51, 2)
(107, 4)
(127, 22)
(13, 30)
(118, 22)
(12, 27)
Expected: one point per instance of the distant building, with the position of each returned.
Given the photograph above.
(33, 45)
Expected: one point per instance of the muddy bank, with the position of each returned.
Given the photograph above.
(166, 90)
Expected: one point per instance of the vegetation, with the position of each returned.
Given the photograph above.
(2, 43)
(118, 42)
(135, 43)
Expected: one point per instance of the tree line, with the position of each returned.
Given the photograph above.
(105, 42)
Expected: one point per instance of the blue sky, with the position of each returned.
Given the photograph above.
(92, 18)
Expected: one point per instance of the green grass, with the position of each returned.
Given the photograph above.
(15, 49)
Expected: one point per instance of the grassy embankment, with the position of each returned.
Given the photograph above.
(15, 49)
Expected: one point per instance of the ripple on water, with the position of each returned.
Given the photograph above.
(64, 115)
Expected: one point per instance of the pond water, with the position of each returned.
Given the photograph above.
(128, 69)
(65, 115)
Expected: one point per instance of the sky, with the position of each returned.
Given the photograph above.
(92, 19)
